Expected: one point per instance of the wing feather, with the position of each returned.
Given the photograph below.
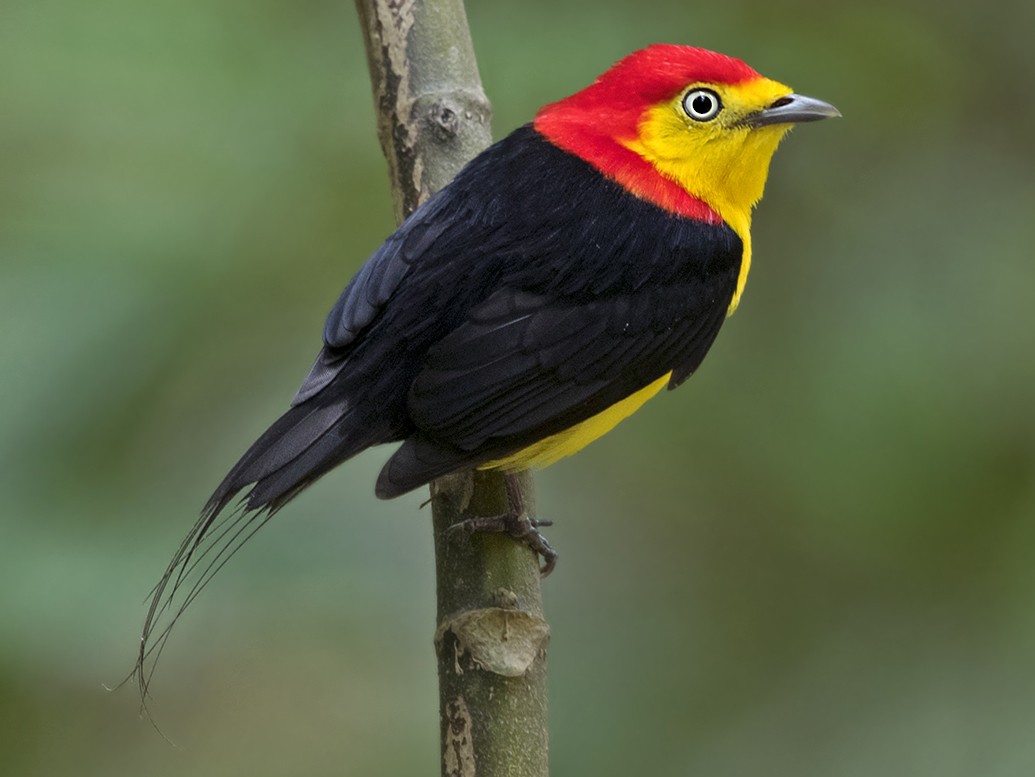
(525, 366)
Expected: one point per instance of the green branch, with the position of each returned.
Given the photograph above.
(491, 638)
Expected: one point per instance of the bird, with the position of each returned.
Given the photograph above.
(565, 276)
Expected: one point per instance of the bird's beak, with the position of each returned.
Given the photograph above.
(793, 109)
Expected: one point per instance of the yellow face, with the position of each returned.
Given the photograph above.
(702, 140)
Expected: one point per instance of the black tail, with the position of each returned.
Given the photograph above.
(302, 445)
(419, 461)
(298, 448)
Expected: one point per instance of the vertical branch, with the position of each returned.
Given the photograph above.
(491, 637)
(432, 115)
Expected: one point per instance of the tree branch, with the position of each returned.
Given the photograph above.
(433, 116)
(491, 637)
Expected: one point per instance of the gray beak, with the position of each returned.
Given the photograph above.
(793, 109)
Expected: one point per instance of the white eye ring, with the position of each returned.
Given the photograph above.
(702, 104)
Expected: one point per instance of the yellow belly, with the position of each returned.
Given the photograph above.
(557, 446)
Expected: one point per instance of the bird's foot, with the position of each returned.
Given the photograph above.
(517, 525)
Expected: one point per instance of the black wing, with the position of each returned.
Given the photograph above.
(525, 366)
(608, 294)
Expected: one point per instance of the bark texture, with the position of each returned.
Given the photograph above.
(491, 637)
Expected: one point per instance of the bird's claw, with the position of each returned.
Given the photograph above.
(517, 526)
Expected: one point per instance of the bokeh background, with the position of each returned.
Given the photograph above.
(817, 558)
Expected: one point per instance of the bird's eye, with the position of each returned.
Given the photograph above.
(702, 104)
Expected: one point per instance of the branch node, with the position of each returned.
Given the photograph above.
(501, 640)
(444, 120)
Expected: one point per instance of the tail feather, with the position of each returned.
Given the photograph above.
(277, 486)
(288, 438)
(301, 446)
(280, 446)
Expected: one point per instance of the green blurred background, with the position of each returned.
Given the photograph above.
(817, 558)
